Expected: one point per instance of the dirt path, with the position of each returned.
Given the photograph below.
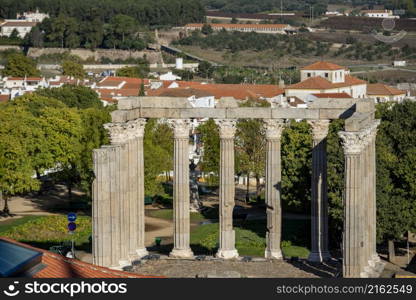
(156, 227)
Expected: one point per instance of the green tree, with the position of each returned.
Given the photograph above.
(250, 146)
(16, 169)
(206, 29)
(133, 72)
(73, 96)
(74, 69)
(211, 142)
(19, 65)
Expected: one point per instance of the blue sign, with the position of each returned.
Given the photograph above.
(72, 217)
(72, 226)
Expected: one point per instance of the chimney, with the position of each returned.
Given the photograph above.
(281, 83)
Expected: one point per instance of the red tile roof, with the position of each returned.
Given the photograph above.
(332, 95)
(323, 65)
(4, 98)
(58, 266)
(18, 24)
(179, 92)
(239, 26)
(112, 81)
(237, 91)
(320, 83)
(23, 78)
(383, 90)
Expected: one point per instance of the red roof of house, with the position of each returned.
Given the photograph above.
(57, 266)
(23, 78)
(237, 91)
(332, 95)
(320, 83)
(18, 24)
(4, 98)
(323, 65)
(383, 90)
(239, 26)
(113, 81)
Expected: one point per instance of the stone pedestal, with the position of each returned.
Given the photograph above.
(274, 130)
(227, 190)
(319, 203)
(181, 198)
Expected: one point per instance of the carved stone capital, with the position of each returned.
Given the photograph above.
(180, 127)
(118, 132)
(274, 128)
(227, 128)
(135, 128)
(319, 129)
(355, 142)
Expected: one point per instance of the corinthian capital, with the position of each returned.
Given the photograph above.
(117, 132)
(319, 128)
(274, 128)
(227, 128)
(135, 128)
(180, 127)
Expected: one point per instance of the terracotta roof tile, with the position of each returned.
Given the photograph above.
(18, 24)
(239, 26)
(320, 83)
(58, 266)
(382, 89)
(332, 95)
(323, 65)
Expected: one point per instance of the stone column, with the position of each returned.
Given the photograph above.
(101, 214)
(227, 189)
(274, 129)
(181, 197)
(353, 245)
(139, 198)
(119, 200)
(373, 189)
(136, 238)
(319, 203)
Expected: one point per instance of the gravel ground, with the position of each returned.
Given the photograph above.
(235, 269)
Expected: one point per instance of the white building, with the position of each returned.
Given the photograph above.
(384, 93)
(169, 76)
(21, 26)
(33, 16)
(399, 63)
(385, 14)
(326, 78)
(259, 28)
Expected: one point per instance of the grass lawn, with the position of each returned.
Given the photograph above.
(47, 231)
(250, 238)
(167, 214)
(8, 224)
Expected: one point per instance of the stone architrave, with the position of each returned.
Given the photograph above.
(181, 196)
(319, 203)
(274, 129)
(227, 248)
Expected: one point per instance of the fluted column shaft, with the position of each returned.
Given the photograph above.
(136, 237)
(227, 189)
(181, 197)
(319, 203)
(274, 130)
(359, 221)
(373, 204)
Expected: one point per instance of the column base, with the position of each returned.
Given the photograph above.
(181, 253)
(227, 254)
(142, 252)
(319, 256)
(273, 254)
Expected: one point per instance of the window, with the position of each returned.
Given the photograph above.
(309, 74)
(326, 75)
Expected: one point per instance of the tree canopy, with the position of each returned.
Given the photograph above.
(19, 65)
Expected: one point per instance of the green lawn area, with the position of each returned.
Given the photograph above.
(167, 214)
(250, 238)
(47, 231)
